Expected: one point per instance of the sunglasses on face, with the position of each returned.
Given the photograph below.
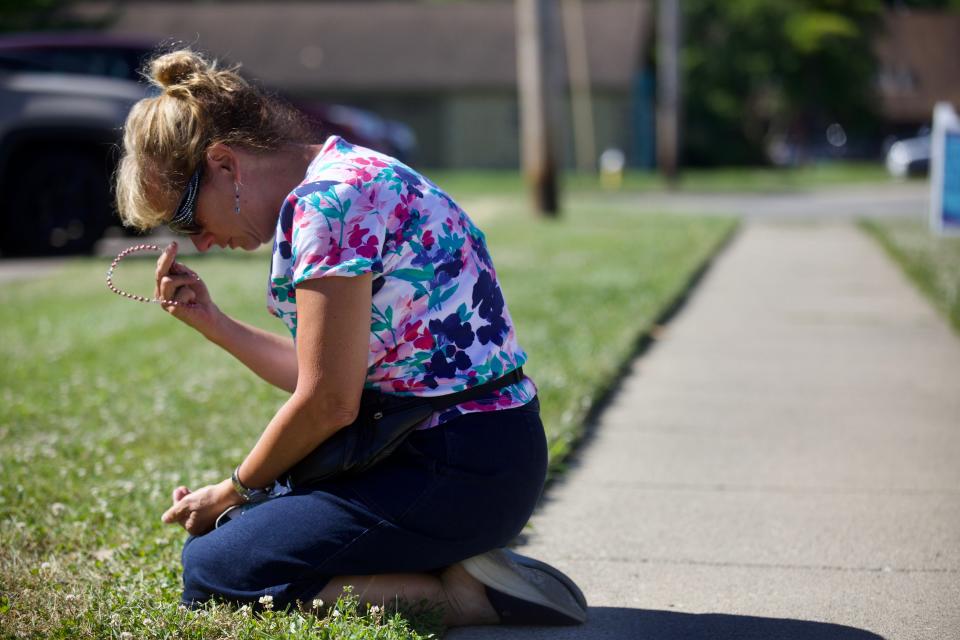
(184, 220)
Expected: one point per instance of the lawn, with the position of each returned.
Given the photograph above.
(724, 179)
(931, 261)
(108, 404)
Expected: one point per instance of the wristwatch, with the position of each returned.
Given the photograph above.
(244, 491)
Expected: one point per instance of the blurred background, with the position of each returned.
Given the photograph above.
(787, 451)
(746, 83)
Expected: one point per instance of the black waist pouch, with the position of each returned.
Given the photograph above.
(383, 423)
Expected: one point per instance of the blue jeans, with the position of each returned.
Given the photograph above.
(450, 492)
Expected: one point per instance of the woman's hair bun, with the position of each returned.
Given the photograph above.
(176, 67)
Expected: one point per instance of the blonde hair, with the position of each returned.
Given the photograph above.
(165, 137)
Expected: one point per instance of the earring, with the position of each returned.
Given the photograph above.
(236, 208)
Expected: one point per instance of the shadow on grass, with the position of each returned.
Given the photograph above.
(616, 623)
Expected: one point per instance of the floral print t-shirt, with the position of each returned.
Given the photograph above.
(438, 323)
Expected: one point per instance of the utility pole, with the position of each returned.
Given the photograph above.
(668, 89)
(536, 84)
(575, 34)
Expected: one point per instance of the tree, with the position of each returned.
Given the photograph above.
(45, 15)
(756, 70)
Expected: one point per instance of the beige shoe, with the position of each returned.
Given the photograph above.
(526, 591)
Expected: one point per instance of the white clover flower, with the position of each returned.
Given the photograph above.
(267, 602)
(45, 566)
(317, 603)
(126, 635)
(335, 614)
(58, 508)
(375, 609)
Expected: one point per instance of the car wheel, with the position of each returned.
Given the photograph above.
(58, 202)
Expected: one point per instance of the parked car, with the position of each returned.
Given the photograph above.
(909, 157)
(58, 135)
(63, 100)
(123, 57)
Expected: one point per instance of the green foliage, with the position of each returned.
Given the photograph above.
(45, 15)
(759, 70)
(106, 405)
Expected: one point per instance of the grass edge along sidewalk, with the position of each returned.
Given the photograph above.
(931, 262)
(106, 405)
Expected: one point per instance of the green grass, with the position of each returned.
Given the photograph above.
(749, 179)
(106, 405)
(931, 261)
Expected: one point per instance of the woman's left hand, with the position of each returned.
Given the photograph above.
(197, 511)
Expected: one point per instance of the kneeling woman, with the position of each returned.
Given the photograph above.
(385, 284)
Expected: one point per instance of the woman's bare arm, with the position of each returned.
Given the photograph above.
(332, 347)
(272, 357)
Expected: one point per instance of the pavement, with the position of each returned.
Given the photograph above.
(782, 463)
(837, 202)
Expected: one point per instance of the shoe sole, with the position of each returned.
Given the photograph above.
(494, 569)
(533, 563)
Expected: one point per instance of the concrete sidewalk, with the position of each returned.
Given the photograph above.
(783, 463)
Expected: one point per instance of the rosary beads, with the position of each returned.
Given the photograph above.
(123, 254)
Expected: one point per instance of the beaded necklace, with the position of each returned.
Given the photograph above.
(123, 254)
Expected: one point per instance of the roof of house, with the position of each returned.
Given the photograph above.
(919, 56)
(388, 45)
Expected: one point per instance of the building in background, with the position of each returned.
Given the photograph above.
(448, 70)
(918, 65)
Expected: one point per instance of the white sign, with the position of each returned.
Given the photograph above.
(945, 171)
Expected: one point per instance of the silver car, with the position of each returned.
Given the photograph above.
(909, 157)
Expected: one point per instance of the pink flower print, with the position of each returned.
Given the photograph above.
(371, 160)
(333, 253)
(369, 249)
(402, 213)
(298, 214)
(355, 237)
(411, 331)
(425, 342)
(474, 405)
(366, 248)
(427, 239)
(368, 202)
(420, 336)
(363, 174)
(360, 175)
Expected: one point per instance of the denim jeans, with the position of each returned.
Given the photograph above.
(448, 493)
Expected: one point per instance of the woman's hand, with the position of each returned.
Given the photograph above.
(177, 282)
(197, 511)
